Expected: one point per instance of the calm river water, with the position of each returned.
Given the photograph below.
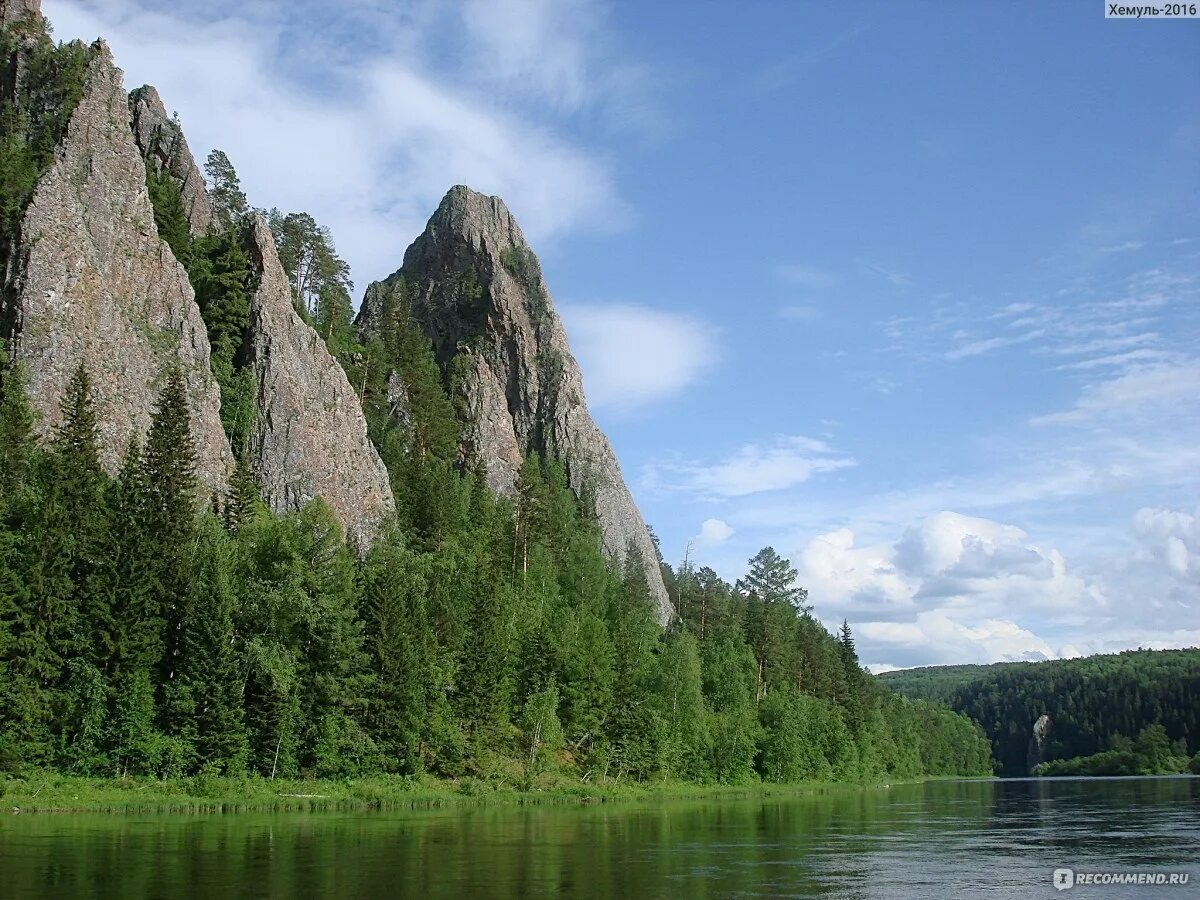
(941, 839)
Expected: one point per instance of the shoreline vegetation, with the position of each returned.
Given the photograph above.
(54, 793)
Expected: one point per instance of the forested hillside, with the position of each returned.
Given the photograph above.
(1095, 704)
(156, 622)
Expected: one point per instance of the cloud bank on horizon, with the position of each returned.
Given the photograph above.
(932, 335)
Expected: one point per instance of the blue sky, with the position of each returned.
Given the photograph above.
(907, 291)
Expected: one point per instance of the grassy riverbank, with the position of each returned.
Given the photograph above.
(51, 792)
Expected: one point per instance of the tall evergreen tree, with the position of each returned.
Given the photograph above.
(170, 504)
(16, 430)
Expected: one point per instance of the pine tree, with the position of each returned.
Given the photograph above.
(225, 190)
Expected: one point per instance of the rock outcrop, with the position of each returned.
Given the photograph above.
(309, 437)
(98, 286)
(163, 146)
(476, 288)
(18, 10)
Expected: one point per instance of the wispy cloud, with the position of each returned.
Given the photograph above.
(367, 141)
(787, 71)
(1123, 247)
(751, 469)
(1171, 388)
(893, 277)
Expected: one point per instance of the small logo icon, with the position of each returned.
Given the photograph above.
(1063, 879)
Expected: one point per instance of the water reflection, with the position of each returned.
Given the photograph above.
(938, 839)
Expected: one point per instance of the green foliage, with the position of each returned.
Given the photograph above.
(1152, 753)
(169, 214)
(1089, 700)
(480, 639)
(33, 119)
(542, 734)
(225, 191)
(320, 279)
(16, 430)
(220, 272)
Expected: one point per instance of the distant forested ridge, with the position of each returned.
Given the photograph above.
(1096, 704)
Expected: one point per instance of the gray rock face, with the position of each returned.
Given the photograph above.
(17, 10)
(99, 287)
(477, 288)
(309, 437)
(161, 141)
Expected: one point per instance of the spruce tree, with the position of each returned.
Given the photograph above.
(204, 700)
(17, 419)
(168, 477)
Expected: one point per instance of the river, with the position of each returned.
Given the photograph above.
(938, 839)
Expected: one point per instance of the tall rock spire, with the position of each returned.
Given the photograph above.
(477, 289)
(165, 149)
(98, 287)
(309, 437)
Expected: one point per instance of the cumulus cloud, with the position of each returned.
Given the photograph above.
(634, 356)
(751, 469)
(712, 533)
(935, 637)
(369, 140)
(1171, 538)
(950, 588)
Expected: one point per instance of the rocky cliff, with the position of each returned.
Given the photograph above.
(477, 289)
(162, 144)
(12, 11)
(98, 286)
(309, 437)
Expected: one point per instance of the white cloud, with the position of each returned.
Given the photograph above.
(951, 588)
(368, 141)
(935, 637)
(634, 356)
(1123, 247)
(1171, 538)
(712, 533)
(753, 468)
(1136, 392)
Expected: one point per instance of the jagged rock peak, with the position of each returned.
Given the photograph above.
(477, 289)
(164, 147)
(18, 10)
(98, 286)
(309, 436)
